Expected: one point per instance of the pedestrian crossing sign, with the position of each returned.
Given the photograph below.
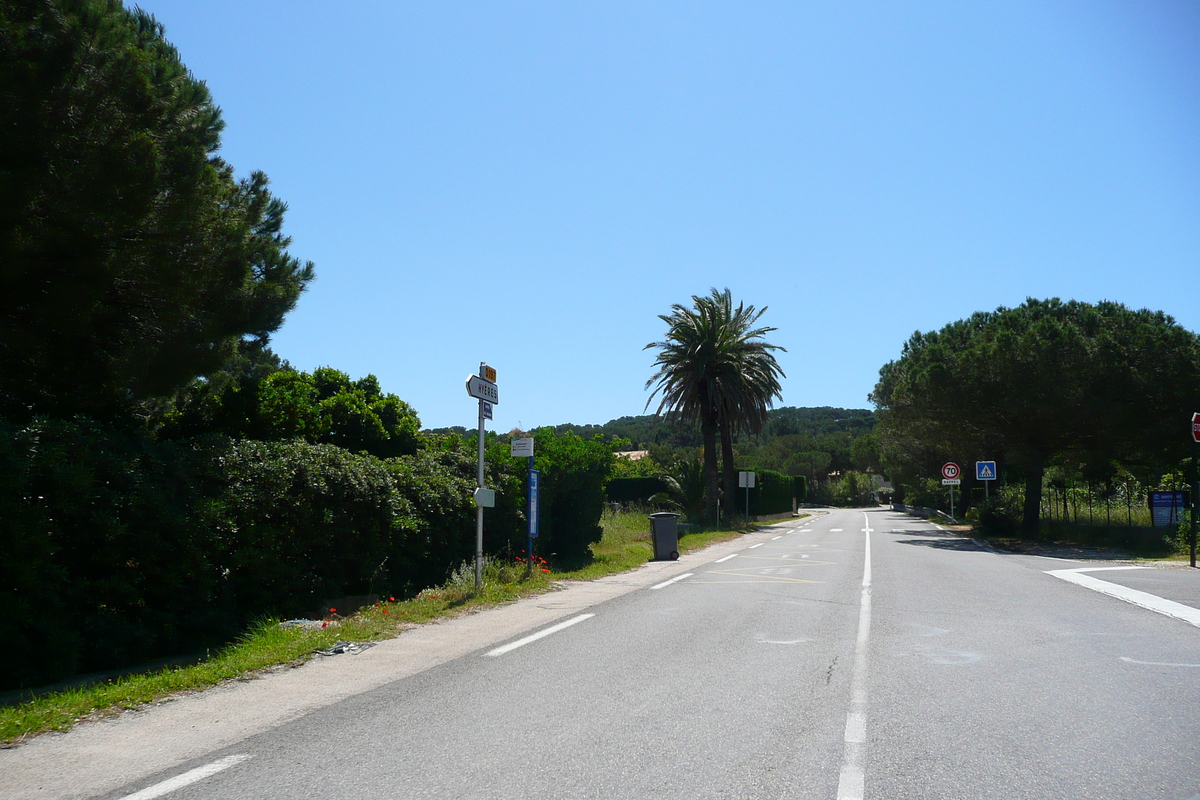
(985, 470)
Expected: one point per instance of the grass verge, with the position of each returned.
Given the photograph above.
(624, 546)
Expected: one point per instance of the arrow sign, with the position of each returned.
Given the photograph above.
(483, 390)
(985, 470)
(950, 471)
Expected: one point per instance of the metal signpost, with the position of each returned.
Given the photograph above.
(746, 479)
(985, 471)
(950, 473)
(523, 448)
(483, 388)
(1195, 481)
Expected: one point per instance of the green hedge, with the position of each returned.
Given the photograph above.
(772, 493)
(116, 548)
(102, 561)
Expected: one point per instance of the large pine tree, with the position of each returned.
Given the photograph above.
(131, 259)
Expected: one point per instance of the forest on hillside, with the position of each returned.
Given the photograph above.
(823, 444)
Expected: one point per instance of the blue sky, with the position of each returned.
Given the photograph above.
(532, 184)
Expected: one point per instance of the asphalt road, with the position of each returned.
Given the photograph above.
(858, 654)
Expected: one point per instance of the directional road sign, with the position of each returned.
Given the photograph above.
(985, 470)
(484, 390)
(950, 471)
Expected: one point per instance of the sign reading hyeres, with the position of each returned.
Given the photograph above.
(482, 389)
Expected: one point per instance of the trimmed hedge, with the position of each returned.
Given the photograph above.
(102, 562)
(772, 493)
(116, 548)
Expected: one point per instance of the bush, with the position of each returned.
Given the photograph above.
(439, 483)
(300, 523)
(101, 562)
(574, 474)
(772, 494)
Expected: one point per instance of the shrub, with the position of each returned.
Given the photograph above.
(772, 494)
(101, 562)
(574, 473)
(300, 522)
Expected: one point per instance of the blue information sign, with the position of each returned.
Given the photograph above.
(534, 476)
(985, 470)
(1165, 507)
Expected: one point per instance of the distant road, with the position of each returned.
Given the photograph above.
(860, 654)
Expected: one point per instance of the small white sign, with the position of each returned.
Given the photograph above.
(478, 388)
(951, 481)
(746, 480)
(485, 498)
(522, 448)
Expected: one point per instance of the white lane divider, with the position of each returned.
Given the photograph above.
(1128, 660)
(508, 648)
(773, 538)
(673, 580)
(187, 778)
(1145, 600)
(751, 547)
(726, 558)
(852, 780)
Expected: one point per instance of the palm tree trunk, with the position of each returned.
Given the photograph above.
(728, 475)
(708, 430)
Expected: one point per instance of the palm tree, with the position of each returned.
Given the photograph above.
(714, 370)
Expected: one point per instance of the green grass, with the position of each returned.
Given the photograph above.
(624, 546)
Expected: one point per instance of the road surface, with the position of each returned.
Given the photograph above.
(855, 654)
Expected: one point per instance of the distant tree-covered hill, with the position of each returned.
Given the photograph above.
(813, 442)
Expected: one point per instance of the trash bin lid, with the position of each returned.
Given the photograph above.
(664, 515)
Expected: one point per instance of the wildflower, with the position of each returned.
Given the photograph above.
(385, 611)
(333, 611)
(392, 599)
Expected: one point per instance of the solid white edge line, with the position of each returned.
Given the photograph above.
(186, 779)
(726, 558)
(852, 778)
(499, 651)
(673, 580)
(1150, 602)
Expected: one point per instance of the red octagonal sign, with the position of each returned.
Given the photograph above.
(1196, 427)
(950, 471)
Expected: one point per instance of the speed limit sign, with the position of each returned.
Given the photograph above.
(950, 471)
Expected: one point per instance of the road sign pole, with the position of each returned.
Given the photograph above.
(479, 510)
(1195, 497)
(530, 510)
